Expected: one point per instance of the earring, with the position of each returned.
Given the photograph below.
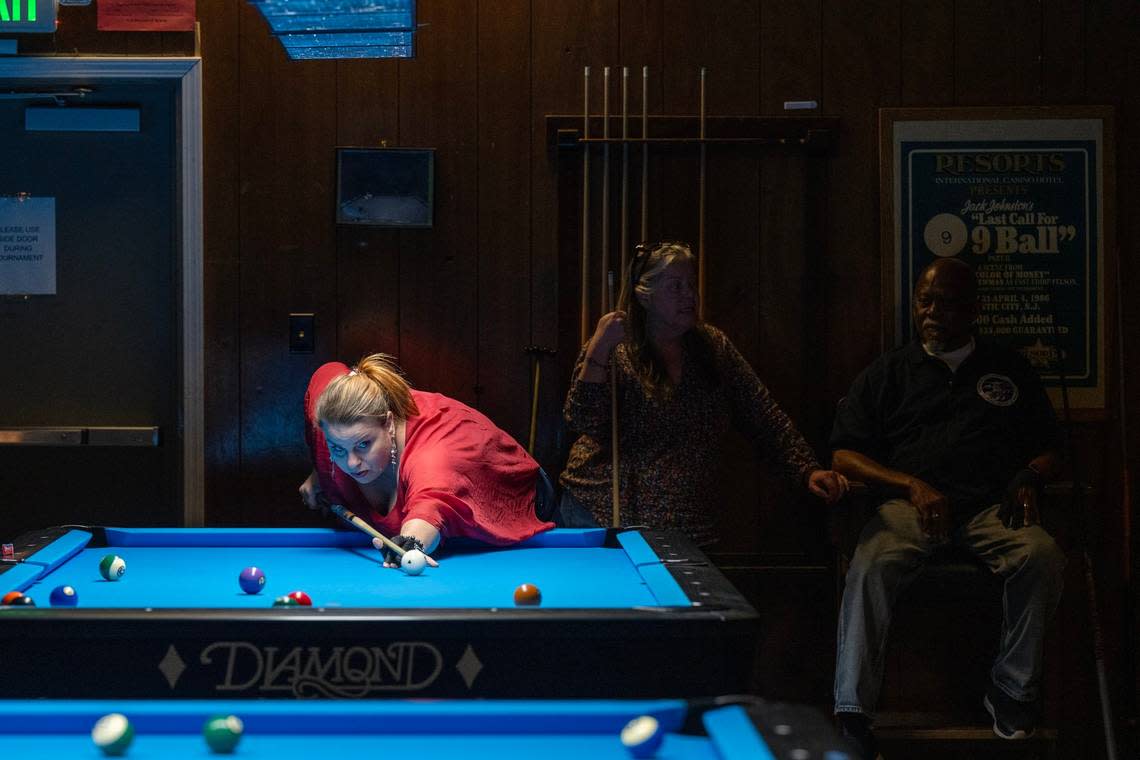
(392, 437)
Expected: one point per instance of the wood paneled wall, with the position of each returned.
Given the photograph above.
(793, 243)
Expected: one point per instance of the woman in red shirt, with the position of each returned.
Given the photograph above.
(423, 467)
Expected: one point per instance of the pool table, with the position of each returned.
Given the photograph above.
(462, 729)
(623, 614)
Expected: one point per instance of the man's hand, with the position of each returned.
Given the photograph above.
(1019, 508)
(932, 507)
(828, 485)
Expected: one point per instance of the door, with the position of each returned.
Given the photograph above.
(93, 383)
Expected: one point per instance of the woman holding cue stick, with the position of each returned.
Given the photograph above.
(417, 466)
(681, 385)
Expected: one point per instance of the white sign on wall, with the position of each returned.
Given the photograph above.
(27, 245)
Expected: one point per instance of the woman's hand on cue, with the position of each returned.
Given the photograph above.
(828, 485)
(608, 334)
(311, 494)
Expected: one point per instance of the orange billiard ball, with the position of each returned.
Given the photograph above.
(528, 595)
(10, 597)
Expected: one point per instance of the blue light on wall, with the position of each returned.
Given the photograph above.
(330, 29)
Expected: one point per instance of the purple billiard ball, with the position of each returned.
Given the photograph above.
(252, 580)
(64, 596)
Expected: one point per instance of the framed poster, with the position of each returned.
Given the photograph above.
(1025, 196)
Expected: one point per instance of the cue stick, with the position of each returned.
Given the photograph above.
(584, 308)
(350, 517)
(644, 154)
(535, 353)
(701, 212)
(615, 479)
(1078, 505)
(534, 406)
(606, 305)
(624, 173)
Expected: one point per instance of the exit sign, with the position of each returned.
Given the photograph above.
(27, 16)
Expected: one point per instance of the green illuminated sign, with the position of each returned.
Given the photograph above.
(27, 16)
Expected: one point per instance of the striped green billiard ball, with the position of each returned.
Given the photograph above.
(113, 734)
(286, 601)
(223, 732)
(112, 567)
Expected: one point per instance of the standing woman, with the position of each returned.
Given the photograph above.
(681, 385)
(423, 467)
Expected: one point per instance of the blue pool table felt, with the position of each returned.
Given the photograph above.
(472, 730)
(199, 568)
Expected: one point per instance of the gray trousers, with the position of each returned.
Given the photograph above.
(892, 549)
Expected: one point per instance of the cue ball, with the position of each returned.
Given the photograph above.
(251, 580)
(301, 598)
(222, 733)
(10, 597)
(64, 596)
(528, 595)
(413, 562)
(113, 734)
(642, 736)
(112, 567)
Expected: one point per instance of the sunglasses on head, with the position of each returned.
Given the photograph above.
(642, 252)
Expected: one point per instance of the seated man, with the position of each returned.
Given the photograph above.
(958, 436)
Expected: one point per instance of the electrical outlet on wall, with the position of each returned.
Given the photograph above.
(302, 333)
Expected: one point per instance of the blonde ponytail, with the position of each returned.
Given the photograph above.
(374, 387)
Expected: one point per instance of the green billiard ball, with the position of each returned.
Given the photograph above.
(113, 734)
(222, 733)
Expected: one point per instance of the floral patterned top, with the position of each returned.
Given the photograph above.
(669, 447)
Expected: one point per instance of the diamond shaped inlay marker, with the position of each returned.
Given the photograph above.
(469, 666)
(172, 666)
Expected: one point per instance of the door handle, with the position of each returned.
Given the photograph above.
(79, 436)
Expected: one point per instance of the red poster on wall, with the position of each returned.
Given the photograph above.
(145, 15)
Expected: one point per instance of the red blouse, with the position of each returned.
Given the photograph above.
(457, 471)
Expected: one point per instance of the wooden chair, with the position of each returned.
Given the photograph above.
(933, 684)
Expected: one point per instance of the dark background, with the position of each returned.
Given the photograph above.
(793, 242)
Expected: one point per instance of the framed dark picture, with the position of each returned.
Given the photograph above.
(385, 187)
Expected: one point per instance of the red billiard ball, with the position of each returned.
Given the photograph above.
(528, 595)
(301, 598)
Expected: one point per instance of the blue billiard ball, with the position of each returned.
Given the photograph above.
(64, 596)
(642, 736)
(252, 580)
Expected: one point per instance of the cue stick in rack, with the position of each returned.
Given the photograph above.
(606, 306)
(624, 239)
(615, 479)
(644, 154)
(352, 519)
(701, 211)
(584, 316)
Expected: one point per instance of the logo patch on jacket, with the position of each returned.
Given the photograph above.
(999, 390)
